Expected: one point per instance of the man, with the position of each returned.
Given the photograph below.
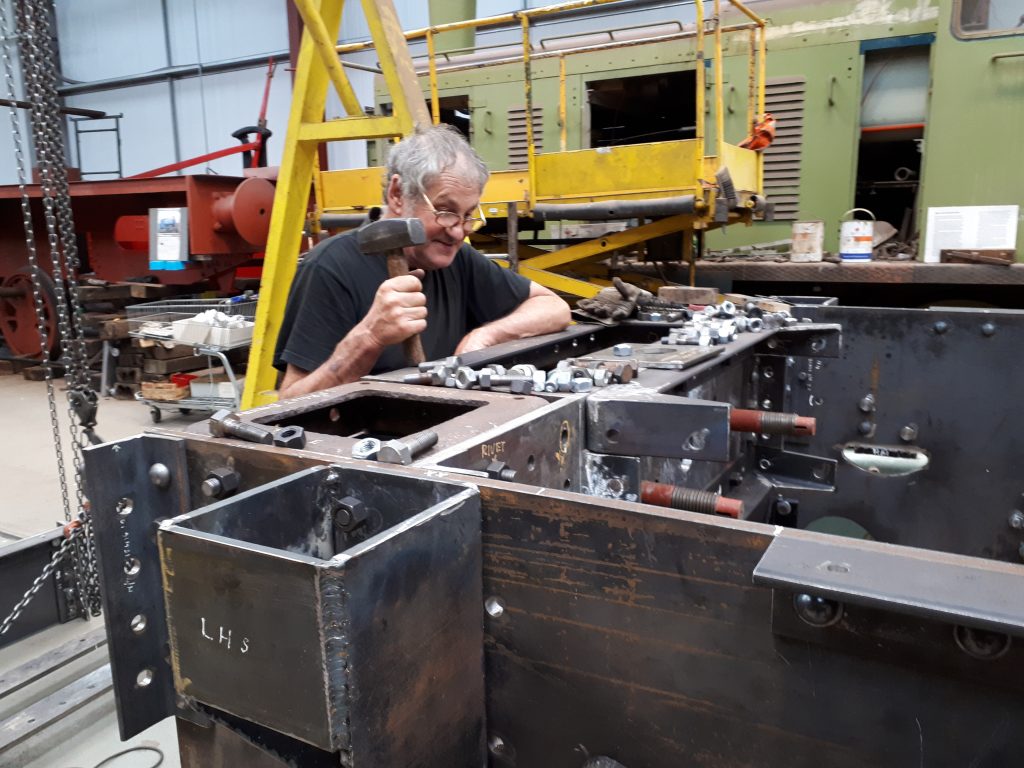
(345, 318)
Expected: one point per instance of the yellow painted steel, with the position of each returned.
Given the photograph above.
(306, 130)
(743, 167)
(719, 84)
(561, 104)
(347, 128)
(531, 150)
(356, 189)
(435, 102)
(699, 73)
(324, 45)
(599, 247)
(752, 81)
(657, 169)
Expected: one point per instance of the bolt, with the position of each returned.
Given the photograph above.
(622, 350)
(368, 448)
(487, 379)
(783, 508)
(349, 514)
(499, 470)
(520, 385)
(160, 475)
(766, 404)
(866, 428)
(817, 611)
(423, 377)
(940, 326)
(523, 369)
(399, 452)
(224, 423)
(982, 644)
(602, 378)
(988, 329)
(867, 404)
(1017, 519)
(450, 382)
(908, 433)
(220, 482)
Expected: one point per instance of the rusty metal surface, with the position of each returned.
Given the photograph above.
(871, 272)
(336, 419)
(641, 637)
(264, 577)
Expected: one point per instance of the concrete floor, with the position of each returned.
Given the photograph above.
(31, 503)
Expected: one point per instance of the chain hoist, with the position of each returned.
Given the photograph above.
(38, 69)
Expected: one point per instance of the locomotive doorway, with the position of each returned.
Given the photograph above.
(893, 113)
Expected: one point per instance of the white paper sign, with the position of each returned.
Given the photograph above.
(970, 227)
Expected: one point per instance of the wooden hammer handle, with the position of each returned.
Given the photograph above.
(398, 266)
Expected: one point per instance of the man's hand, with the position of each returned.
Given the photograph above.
(399, 310)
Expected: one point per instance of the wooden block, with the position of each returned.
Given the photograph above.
(981, 256)
(38, 372)
(114, 329)
(765, 305)
(6, 368)
(153, 290)
(190, 363)
(163, 390)
(685, 294)
(113, 292)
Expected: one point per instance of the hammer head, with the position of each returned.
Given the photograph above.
(390, 234)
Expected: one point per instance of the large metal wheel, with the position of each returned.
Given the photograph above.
(18, 314)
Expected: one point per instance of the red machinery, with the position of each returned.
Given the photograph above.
(228, 223)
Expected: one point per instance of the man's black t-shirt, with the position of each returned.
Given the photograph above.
(334, 289)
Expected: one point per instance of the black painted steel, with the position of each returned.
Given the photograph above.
(126, 507)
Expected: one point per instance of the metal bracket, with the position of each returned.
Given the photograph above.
(133, 484)
(658, 425)
(786, 469)
(805, 340)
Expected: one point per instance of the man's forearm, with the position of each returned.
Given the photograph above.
(535, 316)
(353, 358)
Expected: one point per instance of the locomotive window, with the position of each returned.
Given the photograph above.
(641, 109)
(987, 18)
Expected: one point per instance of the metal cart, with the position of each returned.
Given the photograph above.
(169, 322)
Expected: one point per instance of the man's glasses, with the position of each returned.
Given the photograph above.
(448, 219)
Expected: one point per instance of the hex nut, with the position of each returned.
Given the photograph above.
(367, 448)
(221, 482)
(622, 350)
(465, 378)
(581, 385)
(290, 437)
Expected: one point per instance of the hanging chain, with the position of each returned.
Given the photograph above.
(39, 77)
(71, 539)
(82, 400)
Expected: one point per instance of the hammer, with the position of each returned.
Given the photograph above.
(390, 236)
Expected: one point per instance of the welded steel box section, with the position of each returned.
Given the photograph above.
(341, 607)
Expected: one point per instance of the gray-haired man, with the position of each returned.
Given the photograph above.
(346, 319)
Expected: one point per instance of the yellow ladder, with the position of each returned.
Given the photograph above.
(318, 64)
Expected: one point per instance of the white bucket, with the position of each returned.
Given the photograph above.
(855, 237)
(808, 241)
